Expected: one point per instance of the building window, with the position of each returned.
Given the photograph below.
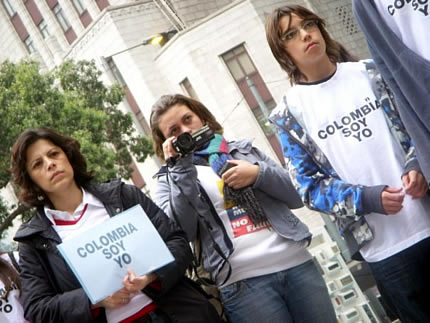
(115, 71)
(242, 68)
(58, 12)
(188, 89)
(136, 176)
(78, 6)
(43, 28)
(10, 10)
(28, 42)
(102, 4)
(129, 97)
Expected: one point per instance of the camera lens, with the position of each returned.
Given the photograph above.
(185, 141)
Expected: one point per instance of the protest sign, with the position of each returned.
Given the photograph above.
(101, 256)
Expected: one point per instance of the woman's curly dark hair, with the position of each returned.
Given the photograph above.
(29, 191)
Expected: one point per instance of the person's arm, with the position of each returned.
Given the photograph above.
(40, 301)
(414, 182)
(263, 175)
(273, 180)
(174, 238)
(177, 191)
(319, 189)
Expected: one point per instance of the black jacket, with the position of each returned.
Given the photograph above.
(50, 291)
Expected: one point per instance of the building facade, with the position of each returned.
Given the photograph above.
(218, 54)
(218, 49)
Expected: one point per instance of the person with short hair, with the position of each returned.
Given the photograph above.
(235, 205)
(349, 155)
(52, 176)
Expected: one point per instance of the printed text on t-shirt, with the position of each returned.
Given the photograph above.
(420, 6)
(241, 224)
(5, 306)
(353, 124)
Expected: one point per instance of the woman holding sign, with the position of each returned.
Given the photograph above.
(52, 176)
(236, 202)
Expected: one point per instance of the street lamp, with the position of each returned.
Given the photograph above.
(160, 39)
(157, 39)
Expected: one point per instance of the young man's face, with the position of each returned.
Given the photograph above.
(303, 40)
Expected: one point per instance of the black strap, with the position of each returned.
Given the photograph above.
(216, 245)
(14, 262)
(208, 226)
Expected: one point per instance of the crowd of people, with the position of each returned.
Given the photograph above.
(226, 209)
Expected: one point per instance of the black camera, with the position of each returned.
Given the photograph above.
(187, 143)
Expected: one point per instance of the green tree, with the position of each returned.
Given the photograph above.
(73, 100)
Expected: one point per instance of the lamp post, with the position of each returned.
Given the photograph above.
(161, 38)
(157, 39)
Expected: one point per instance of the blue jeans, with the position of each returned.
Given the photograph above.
(298, 294)
(404, 283)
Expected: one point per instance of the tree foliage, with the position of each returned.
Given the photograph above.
(73, 100)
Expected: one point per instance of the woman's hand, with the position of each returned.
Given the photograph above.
(242, 175)
(392, 199)
(133, 283)
(168, 149)
(117, 299)
(415, 184)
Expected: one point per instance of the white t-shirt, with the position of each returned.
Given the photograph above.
(88, 214)
(257, 250)
(11, 311)
(342, 116)
(410, 21)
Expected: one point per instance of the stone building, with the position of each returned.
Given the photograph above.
(216, 52)
(214, 47)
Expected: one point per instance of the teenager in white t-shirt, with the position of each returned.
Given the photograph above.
(10, 289)
(397, 33)
(235, 201)
(349, 155)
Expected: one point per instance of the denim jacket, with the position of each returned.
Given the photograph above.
(319, 185)
(180, 190)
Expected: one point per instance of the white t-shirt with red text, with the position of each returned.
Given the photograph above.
(258, 250)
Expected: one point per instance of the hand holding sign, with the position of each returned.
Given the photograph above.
(116, 300)
(127, 240)
(133, 284)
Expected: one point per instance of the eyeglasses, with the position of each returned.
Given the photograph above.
(306, 25)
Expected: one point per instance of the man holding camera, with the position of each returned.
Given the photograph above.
(235, 202)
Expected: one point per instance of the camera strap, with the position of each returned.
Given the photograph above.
(196, 261)
(14, 262)
(171, 161)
